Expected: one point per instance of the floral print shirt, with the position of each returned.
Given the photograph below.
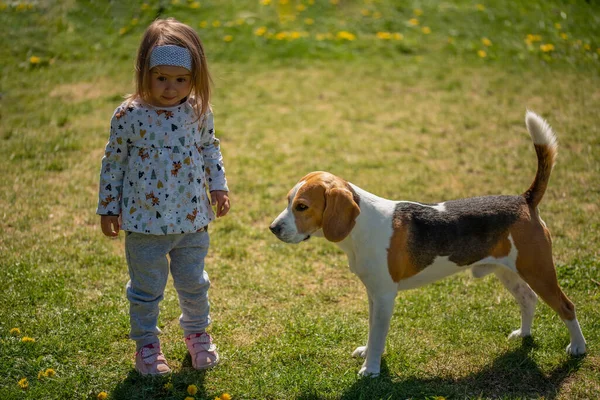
(156, 168)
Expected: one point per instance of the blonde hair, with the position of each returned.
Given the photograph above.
(172, 32)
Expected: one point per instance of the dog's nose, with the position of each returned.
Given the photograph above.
(275, 228)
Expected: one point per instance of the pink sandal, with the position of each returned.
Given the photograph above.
(150, 360)
(203, 351)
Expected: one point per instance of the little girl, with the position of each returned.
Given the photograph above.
(161, 155)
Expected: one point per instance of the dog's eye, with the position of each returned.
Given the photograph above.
(301, 207)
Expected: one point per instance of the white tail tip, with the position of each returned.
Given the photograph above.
(540, 131)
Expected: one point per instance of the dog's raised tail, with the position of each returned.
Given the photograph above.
(546, 149)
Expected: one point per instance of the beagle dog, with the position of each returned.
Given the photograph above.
(398, 245)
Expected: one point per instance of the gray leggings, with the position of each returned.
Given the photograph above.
(148, 272)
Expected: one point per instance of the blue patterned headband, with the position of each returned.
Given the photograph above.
(171, 55)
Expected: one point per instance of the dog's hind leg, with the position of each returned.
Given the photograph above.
(535, 265)
(524, 295)
(545, 284)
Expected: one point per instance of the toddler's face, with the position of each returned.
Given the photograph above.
(169, 85)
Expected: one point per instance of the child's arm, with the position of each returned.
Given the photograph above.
(111, 175)
(214, 169)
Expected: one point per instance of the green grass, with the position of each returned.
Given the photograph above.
(424, 118)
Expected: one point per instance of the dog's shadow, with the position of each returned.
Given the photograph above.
(135, 386)
(514, 374)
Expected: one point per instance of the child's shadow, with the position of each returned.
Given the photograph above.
(172, 386)
(513, 374)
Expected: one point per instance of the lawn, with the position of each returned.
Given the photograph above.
(416, 100)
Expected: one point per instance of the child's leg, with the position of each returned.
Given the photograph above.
(148, 270)
(191, 281)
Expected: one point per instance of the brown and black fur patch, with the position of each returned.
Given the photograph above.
(467, 231)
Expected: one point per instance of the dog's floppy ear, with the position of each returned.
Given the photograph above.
(340, 214)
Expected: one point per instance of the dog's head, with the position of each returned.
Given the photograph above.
(321, 204)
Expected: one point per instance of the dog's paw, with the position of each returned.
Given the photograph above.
(576, 349)
(518, 334)
(368, 373)
(360, 351)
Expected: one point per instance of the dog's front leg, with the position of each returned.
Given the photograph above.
(361, 351)
(381, 308)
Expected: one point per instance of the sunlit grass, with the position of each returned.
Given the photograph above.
(359, 88)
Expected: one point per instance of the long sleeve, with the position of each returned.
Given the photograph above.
(213, 159)
(113, 165)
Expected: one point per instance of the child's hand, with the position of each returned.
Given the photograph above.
(220, 199)
(110, 225)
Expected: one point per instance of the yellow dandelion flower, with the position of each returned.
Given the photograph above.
(15, 331)
(102, 396)
(418, 12)
(281, 35)
(3, 6)
(123, 31)
(300, 7)
(533, 38)
(398, 36)
(228, 38)
(189, 398)
(33, 60)
(50, 372)
(260, 31)
(309, 21)
(203, 24)
(344, 35)
(587, 47)
(376, 15)
(413, 22)
(384, 35)
(480, 7)
(482, 54)
(225, 396)
(23, 384)
(365, 12)
(558, 26)
(41, 374)
(134, 21)
(192, 389)
(426, 30)
(265, 2)
(145, 6)
(334, 2)
(546, 48)
(564, 36)
(174, 2)
(27, 339)
(486, 42)
(216, 24)
(195, 5)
